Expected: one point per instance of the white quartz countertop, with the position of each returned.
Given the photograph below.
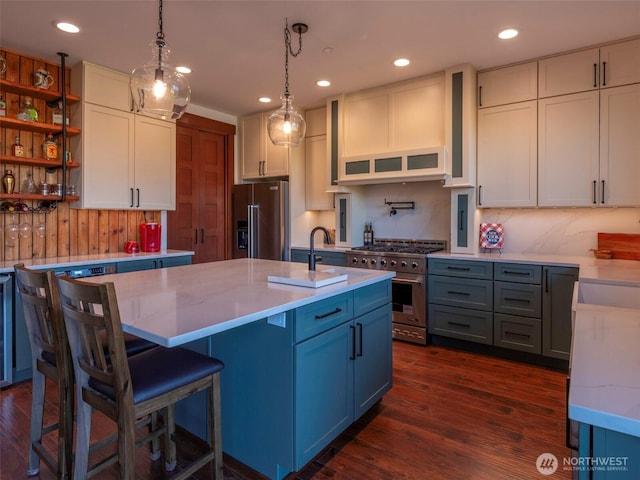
(605, 368)
(80, 260)
(173, 306)
(623, 272)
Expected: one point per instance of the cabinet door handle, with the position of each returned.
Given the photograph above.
(511, 299)
(353, 342)
(546, 280)
(131, 205)
(480, 95)
(602, 197)
(595, 183)
(202, 235)
(461, 221)
(328, 314)
(195, 235)
(138, 192)
(454, 292)
(479, 195)
(595, 75)
(517, 334)
(359, 325)
(514, 272)
(456, 324)
(604, 74)
(462, 269)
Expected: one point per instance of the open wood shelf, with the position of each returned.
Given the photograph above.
(36, 162)
(36, 196)
(35, 92)
(40, 127)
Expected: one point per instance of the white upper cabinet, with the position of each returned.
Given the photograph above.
(568, 137)
(609, 66)
(518, 83)
(620, 146)
(404, 116)
(259, 157)
(317, 162)
(620, 64)
(507, 155)
(128, 161)
(571, 73)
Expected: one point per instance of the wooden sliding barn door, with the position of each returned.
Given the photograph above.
(204, 176)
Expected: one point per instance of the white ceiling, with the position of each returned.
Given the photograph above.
(236, 48)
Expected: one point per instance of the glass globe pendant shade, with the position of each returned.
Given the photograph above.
(286, 127)
(158, 89)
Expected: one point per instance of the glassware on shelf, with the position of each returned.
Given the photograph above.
(44, 188)
(24, 230)
(28, 186)
(27, 111)
(10, 233)
(41, 230)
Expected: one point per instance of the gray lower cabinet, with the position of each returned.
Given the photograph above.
(152, 263)
(556, 310)
(328, 258)
(523, 307)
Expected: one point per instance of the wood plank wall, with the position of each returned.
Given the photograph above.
(67, 231)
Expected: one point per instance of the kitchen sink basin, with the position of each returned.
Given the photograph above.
(608, 295)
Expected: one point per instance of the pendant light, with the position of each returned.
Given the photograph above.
(157, 88)
(286, 127)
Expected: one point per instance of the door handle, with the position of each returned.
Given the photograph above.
(138, 192)
(359, 326)
(353, 342)
(202, 235)
(480, 95)
(131, 205)
(195, 235)
(404, 280)
(602, 196)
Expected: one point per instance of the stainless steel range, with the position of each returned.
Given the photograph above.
(408, 258)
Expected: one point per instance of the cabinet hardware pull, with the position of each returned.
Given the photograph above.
(525, 335)
(195, 235)
(202, 236)
(325, 315)
(466, 325)
(511, 299)
(453, 292)
(479, 195)
(595, 75)
(131, 198)
(404, 280)
(604, 74)
(359, 325)
(461, 221)
(594, 192)
(464, 269)
(513, 272)
(480, 95)
(138, 192)
(546, 280)
(352, 356)
(602, 197)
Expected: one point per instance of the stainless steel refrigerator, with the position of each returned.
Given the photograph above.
(261, 220)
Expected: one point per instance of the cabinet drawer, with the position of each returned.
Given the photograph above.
(320, 316)
(461, 268)
(517, 272)
(461, 292)
(461, 323)
(517, 333)
(371, 297)
(518, 299)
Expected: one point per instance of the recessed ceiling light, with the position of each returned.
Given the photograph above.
(264, 99)
(401, 62)
(508, 33)
(67, 27)
(323, 83)
(183, 69)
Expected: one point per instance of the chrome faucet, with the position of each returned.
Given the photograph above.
(312, 253)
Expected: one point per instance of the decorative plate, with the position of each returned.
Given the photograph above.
(491, 235)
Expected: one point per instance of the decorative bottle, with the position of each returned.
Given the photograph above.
(27, 111)
(50, 147)
(17, 149)
(8, 182)
(3, 107)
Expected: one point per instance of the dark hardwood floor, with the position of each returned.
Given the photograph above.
(450, 415)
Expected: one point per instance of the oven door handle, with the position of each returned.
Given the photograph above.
(404, 280)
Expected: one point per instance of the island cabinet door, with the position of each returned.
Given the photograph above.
(323, 390)
(373, 362)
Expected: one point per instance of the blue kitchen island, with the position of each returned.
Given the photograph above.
(301, 364)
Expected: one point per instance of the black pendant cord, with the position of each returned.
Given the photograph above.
(299, 28)
(160, 41)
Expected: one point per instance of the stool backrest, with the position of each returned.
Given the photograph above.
(43, 317)
(90, 310)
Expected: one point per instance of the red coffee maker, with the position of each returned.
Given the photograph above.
(150, 237)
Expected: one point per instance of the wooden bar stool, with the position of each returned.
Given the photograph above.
(51, 358)
(132, 388)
